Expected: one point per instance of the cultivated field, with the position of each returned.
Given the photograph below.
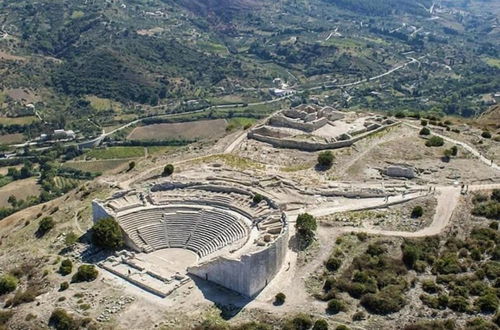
(102, 166)
(115, 153)
(189, 130)
(18, 120)
(20, 189)
(11, 138)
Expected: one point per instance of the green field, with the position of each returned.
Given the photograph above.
(160, 150)
(115, 153)
(239, 122)
(62, 182)
(18, 120)
(98, 166)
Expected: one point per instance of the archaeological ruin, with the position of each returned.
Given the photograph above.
(313, 128)
(212, 231)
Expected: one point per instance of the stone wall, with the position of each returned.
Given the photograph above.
(289, 143)
(282, 121)
(249, 274)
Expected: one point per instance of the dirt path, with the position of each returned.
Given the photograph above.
(464, 145)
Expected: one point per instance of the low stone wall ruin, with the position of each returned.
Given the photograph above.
(289, 143)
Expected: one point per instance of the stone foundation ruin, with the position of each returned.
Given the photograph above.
(313, 128)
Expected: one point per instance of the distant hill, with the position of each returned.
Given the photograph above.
(221, 8)
(384, 7)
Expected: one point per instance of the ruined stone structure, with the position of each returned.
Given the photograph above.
(313, 128)
(239, 245)
(401, 171)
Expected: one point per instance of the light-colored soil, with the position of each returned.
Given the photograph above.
(20, 189)
(189, 130)
(10, 57)
(24, 95)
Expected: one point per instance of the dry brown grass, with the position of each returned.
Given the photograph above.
(189, 130)
(20, 189)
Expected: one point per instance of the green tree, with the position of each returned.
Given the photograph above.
(335, 306)
(46, 224)
(279, 299)
(425, 131)
(435, 141)
(306, 226)
(486, 135)
(85, 273)
(107, 234)
(66, 267)
(257, 198)
(325, 159)
(320, 324)
(417, 212)
(168, 170)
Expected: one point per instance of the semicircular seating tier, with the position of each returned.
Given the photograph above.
(200, 230)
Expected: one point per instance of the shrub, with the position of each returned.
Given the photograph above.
(432, 325)
(489, 209)
(425, 131)
(417, 212)
(70, 239)
(358, 316)
(424, 122)
(66, 267)
(131, 166)
(107, 233)
(320, 324)
(387, 301)
(46, 224)
(25, 296)
(332, 264)
(335, 306)
(458, 304)
(8, 283)
(61, 320)
(257, 198)
(454, 151)
(479, 198)
(85, 273)
(486, 135)
(487, 303)
(325, 159)
(430, 286)
(64, 286)
(434, 141)
(448, 264)
(279, 299)
(5, 316)
(376, 249)
(410, 256)
(168, 170)
(342, 327)
(299, 322)
(495, 195)
(399, 114)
